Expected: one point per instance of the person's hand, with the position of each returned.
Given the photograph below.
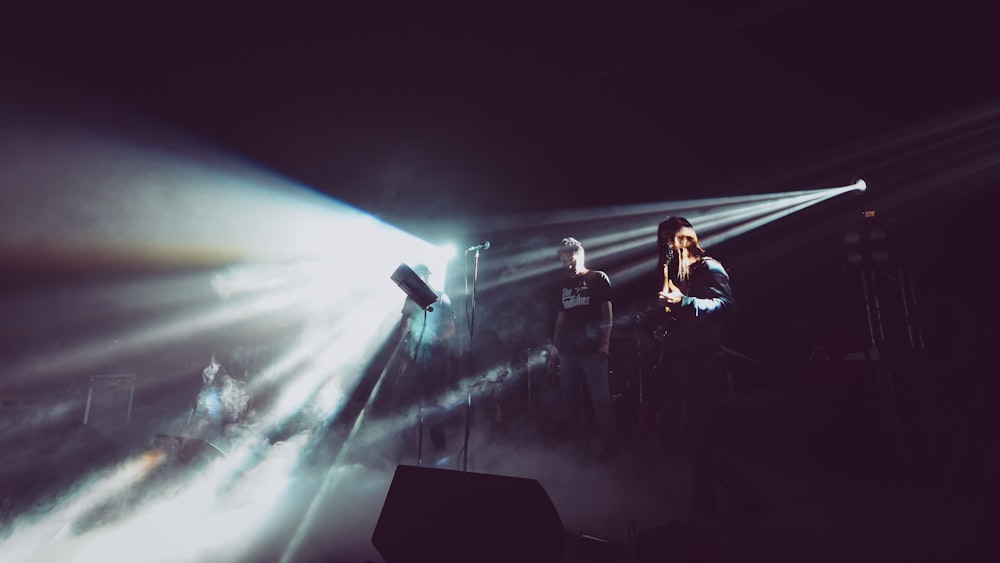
(671, 296)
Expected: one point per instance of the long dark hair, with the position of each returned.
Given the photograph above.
(665, 233)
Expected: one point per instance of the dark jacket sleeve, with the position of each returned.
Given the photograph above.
(704, 310)
(712, 295)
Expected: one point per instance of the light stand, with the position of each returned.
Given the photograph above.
(421, 294)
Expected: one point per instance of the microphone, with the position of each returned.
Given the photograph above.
(666, 254)
(481, 246)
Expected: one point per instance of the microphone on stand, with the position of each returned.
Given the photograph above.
(485, 245)
(472, 327)
(666, 254)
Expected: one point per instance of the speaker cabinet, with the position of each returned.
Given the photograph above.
(448, 516)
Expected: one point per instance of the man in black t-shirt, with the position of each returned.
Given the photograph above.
(581, 342)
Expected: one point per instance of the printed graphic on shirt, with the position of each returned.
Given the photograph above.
(576, 296)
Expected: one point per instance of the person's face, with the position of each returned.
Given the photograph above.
(572, 262)
(683, 239)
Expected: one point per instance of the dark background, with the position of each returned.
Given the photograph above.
(415, 114)
(527, 106)
(420, 112)
(443, 111)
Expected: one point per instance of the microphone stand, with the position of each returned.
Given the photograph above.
(475, 279)
(472, 329)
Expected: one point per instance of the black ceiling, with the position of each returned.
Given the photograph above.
(506, 107)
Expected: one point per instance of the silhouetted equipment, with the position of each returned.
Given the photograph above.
(677, 542)
(414, 287)
(187, 450)
(113, 391)
(449, 516)
(895, 333)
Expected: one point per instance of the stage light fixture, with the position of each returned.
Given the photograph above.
(414, 287)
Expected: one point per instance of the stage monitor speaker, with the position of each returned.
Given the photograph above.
(448, 516)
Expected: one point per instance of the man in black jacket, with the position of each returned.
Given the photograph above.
(696, 301)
